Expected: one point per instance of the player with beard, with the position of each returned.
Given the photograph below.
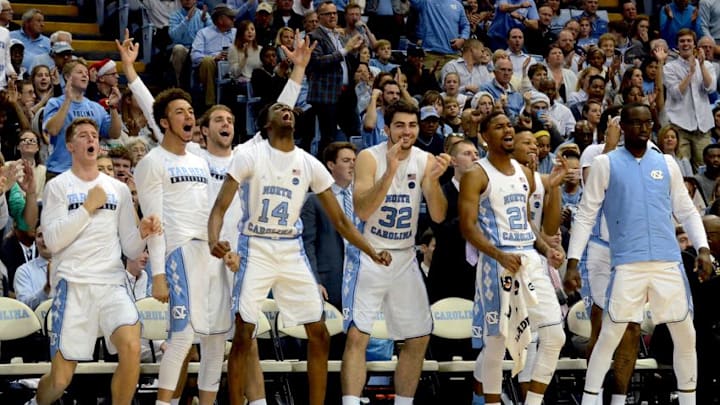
(391, 179)
(275, 177)
(88, 221)
(494, 219)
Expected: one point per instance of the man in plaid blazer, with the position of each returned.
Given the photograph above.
(330, 76)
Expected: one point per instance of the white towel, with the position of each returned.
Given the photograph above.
(517, 294)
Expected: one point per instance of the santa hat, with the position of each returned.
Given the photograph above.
(103, 66)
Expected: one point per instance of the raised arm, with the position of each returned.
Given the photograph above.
(369, 194)
(434, 196)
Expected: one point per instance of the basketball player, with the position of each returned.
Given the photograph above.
(275, 176)
(501, 188)
(639, 191)
(390, 180)
(88, 221)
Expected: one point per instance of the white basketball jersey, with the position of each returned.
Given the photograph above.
(394, 224)
(537, 198)
(274, 184)
(503, 207)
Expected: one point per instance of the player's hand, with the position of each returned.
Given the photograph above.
(160, 289)
(382, 257)
(95, 199)
(232, 261)
(150, 225)
(442, 161)
(669, 12)
(511, 262)
(558, 173)
(302, 50)
(704, 265)
(555, 257)
(572, 281)
(393, 158)
(323, 292)
(219, 248)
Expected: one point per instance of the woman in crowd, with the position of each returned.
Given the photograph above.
(667, 141)
(285, 36)
(244, 55)
(564, 78)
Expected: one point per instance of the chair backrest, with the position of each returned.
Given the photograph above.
(17, 320)
(452, 318)
(42, 312)
(333, 322)
(154, 316)
(578, 321)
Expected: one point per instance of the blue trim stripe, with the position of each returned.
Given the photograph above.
(585, 291)
(608, 292)
(243, 249)
(350, 276)
(488, 222)
(308, 267)
(179, 291)
(58, 315)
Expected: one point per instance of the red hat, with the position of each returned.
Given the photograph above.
(103, 66)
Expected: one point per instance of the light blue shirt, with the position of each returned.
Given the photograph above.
(210, 42)
(182, 31)
(502, 23)
(30, 280)
(384, 67)
(377, 135)
(709, 14)
(681, 19)
(469, 75)
(441, 21)
(515, 102)
(33, 47)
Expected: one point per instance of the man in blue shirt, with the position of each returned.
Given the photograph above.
(183, 27)
(511, 14)
(443, 29)
(502, 91)
(599, 25)
(676, 16)
(33, 24)
(32, 281)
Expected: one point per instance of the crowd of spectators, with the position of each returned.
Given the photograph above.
(557, 68)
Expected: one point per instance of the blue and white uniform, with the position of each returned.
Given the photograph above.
(90, 295)
(397, 290)
(176, 188)
(273, 188)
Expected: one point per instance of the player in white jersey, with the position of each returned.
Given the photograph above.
(390, 180)
(89, 221)
(275, 177)
(493, 207)
(592, 274)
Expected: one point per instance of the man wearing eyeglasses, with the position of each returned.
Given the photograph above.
(6, 16)
(640, 191)
(689, 80)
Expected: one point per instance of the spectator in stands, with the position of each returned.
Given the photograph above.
(564, 78)
(632, 77)
(6, 16)
(599, 25)
(429, 138)
(632, 52)
(452, 112)
(355, 26)
(29, 148)
(468, 67)
(12, 121)
(451, 88)
(711, 172)
(676, 16)
(19, 247)
(48, 59)
(501, 90)
(61, 54)
(667, 141)
(585, 38)
(211, 46)
(244, 54)
(60, 111)
(106, 78)
(546, 159)
(387, 19)
(184, 24)
(374, 119)
(566, 43)
(310, 23)
(540, 38)
(629, 12)
(284, 16)
(383, 53)
(511, 14)
(263, 23)
(31, 35)
(561, 115)
(579, 97)
(26, 97)
(709, 15)
(32, 279)
(559, 17)
(420, 78)
(17, 53)
(531, 80)
(715, 132)
(689, 80)
(265, 82)
(640, 31)
(521, 61)
(122, 163)
(302, 7)
(707, 43)
(285, 36)
(135, 124)
(329, 78)
(443, 31)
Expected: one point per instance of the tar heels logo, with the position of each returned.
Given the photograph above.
(179, 312)
(477, 331)
(656, 174)
(492, 318)
(346, 313)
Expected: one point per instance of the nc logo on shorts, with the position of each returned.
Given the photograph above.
(492, 318)
(477, 331)
(346, 313)
(179, 312)
(656, 174)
